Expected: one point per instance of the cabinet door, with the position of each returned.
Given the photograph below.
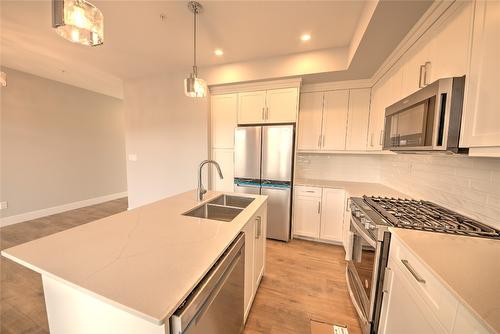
(357, 123)
(306, 213)
(413, 70)
(449, 48)
(282, 105)
(249, 231)
(310, 117)
(403, 311)
(223, 120)
(332, 214)
(376, 120)
(335, 108)
(481, 120)
(251, 107)
(225, 158)
(259, 247)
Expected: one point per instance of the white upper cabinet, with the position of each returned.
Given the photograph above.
(416, 62)
(332, 214)
(449, 46)
(481, 119)
(271, 106)
(358, 115)
(223, 120)
(335, 120)
(281, 105)
(310, 118)
(252, 107)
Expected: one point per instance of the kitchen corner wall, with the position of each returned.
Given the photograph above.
(166, 133)
(342, 167)
(467, 185)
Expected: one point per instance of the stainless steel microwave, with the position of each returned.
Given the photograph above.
(427, 120)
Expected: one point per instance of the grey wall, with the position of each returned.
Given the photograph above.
(59, 144)
(167, 132)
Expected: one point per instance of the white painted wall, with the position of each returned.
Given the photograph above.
(59, 145)
(167, 132)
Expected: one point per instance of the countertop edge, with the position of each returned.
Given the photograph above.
(444, 282)
(108, 301)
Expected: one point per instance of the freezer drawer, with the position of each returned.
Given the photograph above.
(247, 152)
(278, 211)
(277, 152)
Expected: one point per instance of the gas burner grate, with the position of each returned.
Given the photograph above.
(427, 216)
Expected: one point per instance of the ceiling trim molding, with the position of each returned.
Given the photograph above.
(336, 85)
(253, 86)
(430, 17)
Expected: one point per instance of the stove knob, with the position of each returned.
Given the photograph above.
(358, 214)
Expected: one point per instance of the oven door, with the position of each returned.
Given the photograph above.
(362, 273)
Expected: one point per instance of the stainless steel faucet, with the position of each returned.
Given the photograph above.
(201, 190)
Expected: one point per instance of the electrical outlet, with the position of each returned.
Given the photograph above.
(3, 205)
(132, 157)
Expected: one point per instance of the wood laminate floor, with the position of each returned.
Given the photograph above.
(303, 281)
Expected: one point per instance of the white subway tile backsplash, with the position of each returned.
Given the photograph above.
(342, 167)
(470, 186)
(467, 185)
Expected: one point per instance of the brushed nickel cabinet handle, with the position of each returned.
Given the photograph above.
(263, 113)
(323, 141)
(381, 139)
(319, 141)
(413, 272)
(319, 207)
(422, 67)
(258, 226)
(267, 113)
(426, 67)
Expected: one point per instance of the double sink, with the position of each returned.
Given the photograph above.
(223, 208)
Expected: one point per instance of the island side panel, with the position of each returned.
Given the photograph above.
(70, 310)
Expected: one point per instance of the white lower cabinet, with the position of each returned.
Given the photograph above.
(318, 213)
(332, 214)
(307, 217)
(255, 255)
(416, 301)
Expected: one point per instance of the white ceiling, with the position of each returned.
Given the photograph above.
(137, 42)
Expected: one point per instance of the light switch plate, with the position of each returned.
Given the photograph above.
(4, 205)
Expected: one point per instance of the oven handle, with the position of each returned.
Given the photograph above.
(361, 231)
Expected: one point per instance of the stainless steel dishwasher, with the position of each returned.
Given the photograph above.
(216, 305)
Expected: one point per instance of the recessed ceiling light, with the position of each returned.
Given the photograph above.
(305, 37)
(218, 52)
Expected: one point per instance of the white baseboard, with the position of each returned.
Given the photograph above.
(58, 209)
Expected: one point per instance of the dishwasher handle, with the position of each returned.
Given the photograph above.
(195, 302)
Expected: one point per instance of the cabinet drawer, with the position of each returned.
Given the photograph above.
(433, 292)
(307, 191)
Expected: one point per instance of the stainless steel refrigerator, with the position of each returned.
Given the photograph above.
(263, 164)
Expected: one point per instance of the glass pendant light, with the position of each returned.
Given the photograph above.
(78, 21)
(194, 86)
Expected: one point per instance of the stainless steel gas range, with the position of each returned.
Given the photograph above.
(371, 218)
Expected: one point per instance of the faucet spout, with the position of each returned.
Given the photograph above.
(201, 189)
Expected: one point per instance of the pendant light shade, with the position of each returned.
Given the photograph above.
(3, 79)
(194, 86)
(78, 21)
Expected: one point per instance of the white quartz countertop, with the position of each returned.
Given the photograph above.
(145, 260)
(468, 266)
(354, 189)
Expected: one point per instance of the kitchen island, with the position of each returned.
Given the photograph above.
(128, 273)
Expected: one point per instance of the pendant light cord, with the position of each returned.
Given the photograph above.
(195, 69)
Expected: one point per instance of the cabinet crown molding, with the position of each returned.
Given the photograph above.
(254, 86)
